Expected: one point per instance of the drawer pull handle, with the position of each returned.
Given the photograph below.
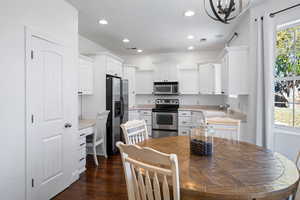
(83, 134)
(81, 159)
(82, 144)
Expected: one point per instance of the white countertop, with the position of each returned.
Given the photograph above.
(209, 111)
(86, 123)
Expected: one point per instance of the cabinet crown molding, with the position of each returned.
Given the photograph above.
(106, 53)
(87, 58)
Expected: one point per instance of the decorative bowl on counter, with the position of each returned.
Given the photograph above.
(202, 141)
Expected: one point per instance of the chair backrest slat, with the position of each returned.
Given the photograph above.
(149, 186)
(298, 161)
(146, 178)
(100, 128)
(135, 131)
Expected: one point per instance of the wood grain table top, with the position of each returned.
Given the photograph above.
(237, 170)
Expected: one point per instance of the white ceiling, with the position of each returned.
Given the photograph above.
(156, 26)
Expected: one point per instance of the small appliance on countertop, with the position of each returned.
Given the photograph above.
(165, 118)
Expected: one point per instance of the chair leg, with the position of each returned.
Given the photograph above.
(104, 150)
(95, 156)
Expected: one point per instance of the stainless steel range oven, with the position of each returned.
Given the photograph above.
(165, 118)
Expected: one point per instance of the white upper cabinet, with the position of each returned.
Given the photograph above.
(114, 67)
(188, 79)
(210, 79)
(130, 75)
(144, 81)
(86, 76)
(166, 72)
(235, 65)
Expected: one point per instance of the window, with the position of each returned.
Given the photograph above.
(287, 76)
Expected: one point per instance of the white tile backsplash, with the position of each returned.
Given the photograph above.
(184, 99)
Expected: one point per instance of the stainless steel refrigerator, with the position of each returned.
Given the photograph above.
(117, 104)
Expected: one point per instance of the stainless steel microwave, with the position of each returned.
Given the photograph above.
(165, 88)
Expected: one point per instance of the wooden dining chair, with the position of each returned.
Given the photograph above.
(298, 161)
(135, 131)
(148, 173)
(99, 136)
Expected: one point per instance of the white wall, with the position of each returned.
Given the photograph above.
(56, 18)
(174, 59)
(87, 46)
(286, 143)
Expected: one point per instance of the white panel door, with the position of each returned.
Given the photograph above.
(50, 151)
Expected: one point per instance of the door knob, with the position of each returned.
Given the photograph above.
(68, 125)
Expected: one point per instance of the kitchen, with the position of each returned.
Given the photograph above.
(80, 73)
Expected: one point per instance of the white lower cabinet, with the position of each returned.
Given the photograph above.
(184, 123)
(147, 116)
(82, 148)
(133, 115)
(184, 131)
(142, 115)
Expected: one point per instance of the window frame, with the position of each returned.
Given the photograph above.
(293, 78)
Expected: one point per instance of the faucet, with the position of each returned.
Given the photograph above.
(225, 107)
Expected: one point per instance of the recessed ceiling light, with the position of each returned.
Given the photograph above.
(103, 22)
(190, 37)
(191, 48)
(125, 40)
(189, 13)
(139, 50)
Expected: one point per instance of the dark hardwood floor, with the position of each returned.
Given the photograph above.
(104, 182)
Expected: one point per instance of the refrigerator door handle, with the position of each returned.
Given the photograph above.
(122, 107)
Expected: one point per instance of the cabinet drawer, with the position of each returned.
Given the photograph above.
(82, 142)
(185, 121)
(82, 163)
(86, 131)
(184, 132)
(184, 113)
(146, 112)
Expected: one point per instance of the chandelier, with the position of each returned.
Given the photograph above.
(225, 10)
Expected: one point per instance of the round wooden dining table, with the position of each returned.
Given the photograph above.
(235, 171)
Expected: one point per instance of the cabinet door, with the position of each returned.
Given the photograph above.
(86, 77)
(188, 80)
(144, 82)
(206, 79)
(114, 67)
(129, 74)
(225, 75)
